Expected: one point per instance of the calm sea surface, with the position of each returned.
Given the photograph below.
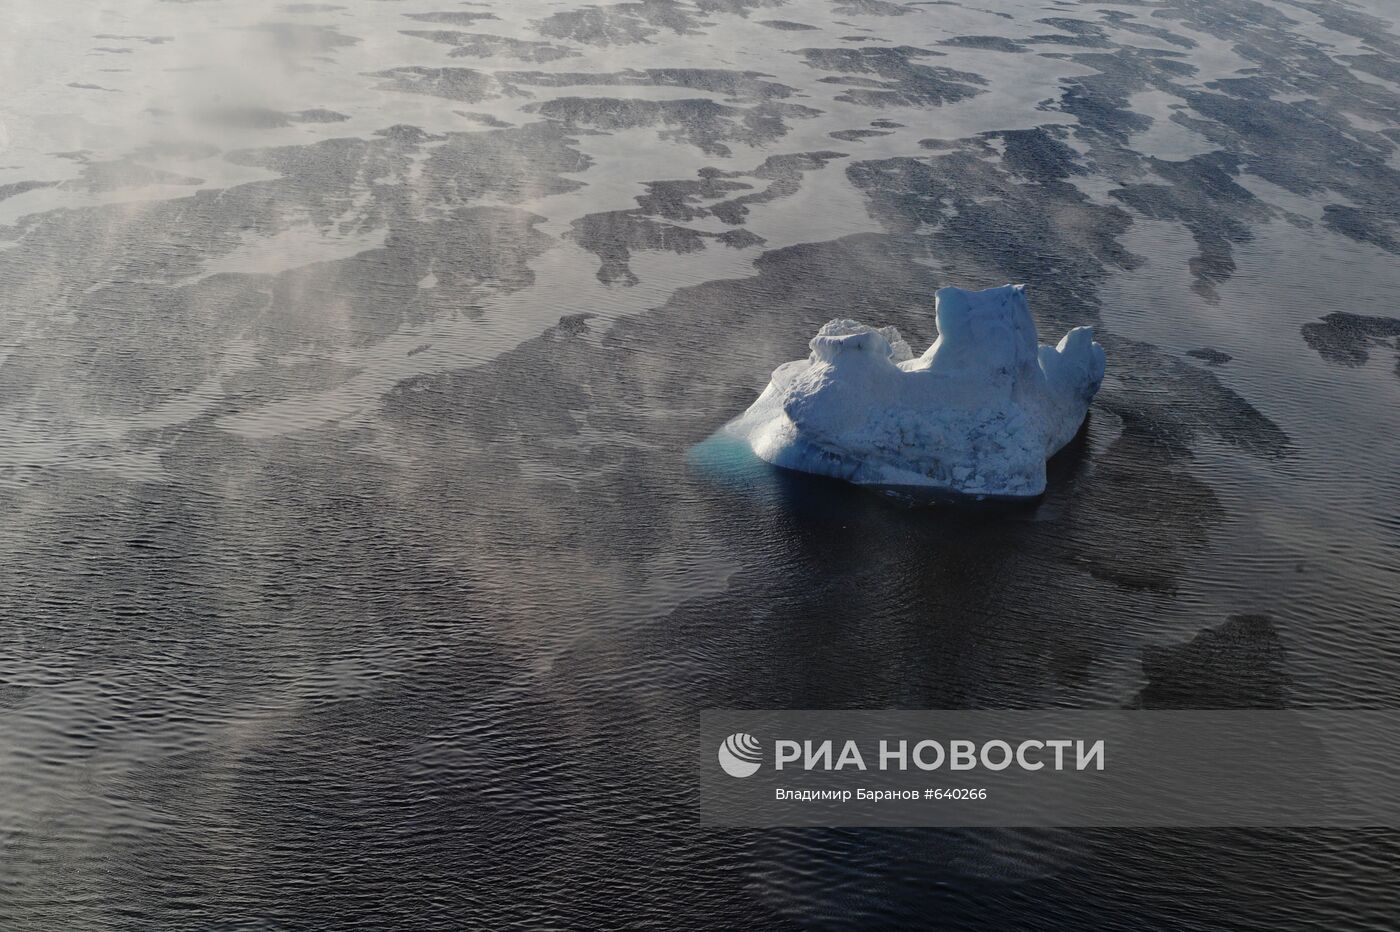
(364, 562)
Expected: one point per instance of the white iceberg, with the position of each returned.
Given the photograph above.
(977, 414)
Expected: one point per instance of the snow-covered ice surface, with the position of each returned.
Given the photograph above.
(977, 414)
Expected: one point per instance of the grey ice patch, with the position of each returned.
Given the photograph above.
(1213, 357)
(264, 118)
(1121, 19)
(987, 43)
(618, 24)
(1080, 33)
(1203, 196)
(881, 77)
(736, 85)
(451, 17)
(100, 177)
(1241, 664)
(485, 119)
(463, 84)
(1347, 339)
(22, 187)
(857, 135)
(737, 7)
(703, 123)
(477, 45)
(615, 235)
(870, 8)
(1374, 226)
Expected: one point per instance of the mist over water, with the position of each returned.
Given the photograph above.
(367, 555)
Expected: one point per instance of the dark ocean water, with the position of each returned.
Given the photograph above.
(366, 560)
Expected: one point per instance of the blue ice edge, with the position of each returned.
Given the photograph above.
(726, 460)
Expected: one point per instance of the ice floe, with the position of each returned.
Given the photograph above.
(977, 414)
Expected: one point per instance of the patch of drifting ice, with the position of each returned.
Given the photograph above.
(978, 413)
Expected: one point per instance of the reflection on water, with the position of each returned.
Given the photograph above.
(369, 550)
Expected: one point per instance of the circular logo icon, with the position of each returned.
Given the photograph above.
(739, 755)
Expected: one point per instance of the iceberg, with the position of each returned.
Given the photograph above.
(977, 414)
